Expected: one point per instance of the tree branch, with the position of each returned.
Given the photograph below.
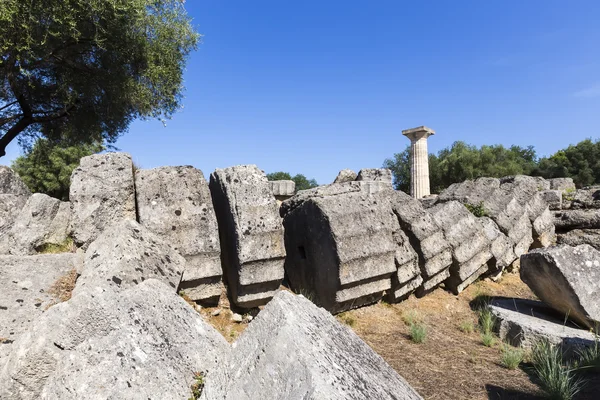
(8, 105)
(12, 133)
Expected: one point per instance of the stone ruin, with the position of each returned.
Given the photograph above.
(143, 236)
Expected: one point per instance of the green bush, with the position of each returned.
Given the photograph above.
(477, 210)
(418, 333)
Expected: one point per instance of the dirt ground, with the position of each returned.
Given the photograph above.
(451, 363)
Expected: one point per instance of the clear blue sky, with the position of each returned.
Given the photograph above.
(313, 87)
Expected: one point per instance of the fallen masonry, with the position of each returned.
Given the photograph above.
(251, 234)
(175, 203)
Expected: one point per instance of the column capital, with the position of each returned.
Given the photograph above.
(418, 133)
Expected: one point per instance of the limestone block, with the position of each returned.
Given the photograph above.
(580, 236)
(471, 248)
(345, 175)
(566, 278)
(524, 323)
(553, 198)
(13, 195)
(283, 188)
(175, 203)
(502, 247)
(144, 342)
(251, 233)
(27, 290)
(42, 220)
(341, 248)
(295, 350)
(562, 184)
(566, 220)
(102, 193)
(126, 254)
(375, 174)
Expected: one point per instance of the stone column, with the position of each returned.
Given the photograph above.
(419, 168)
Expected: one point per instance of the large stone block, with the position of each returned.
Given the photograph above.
(102, 193)
(125, 255)
(251, 234)
(563, 184)
(43, 220)
(13, 196)
(568, 279)
(375, 174)
(345, 175)
(144, 342)
(580, 236)
(341, 247)
(554, 198)
(175, 203)
(294, 350)
(284, 189)
(29, 286)
(567, 220)
(426, 238)
(502, 247)
(471, 248)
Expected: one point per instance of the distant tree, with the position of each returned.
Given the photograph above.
(47, 167)
(302, 182)
(461, 162)
(580, 162)
(84, 70)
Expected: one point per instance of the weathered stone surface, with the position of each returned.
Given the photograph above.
(341, 248)
(251, 233)
(508, 208)
(587, 198)
(425, 236)
(375, 174)
(566, 220)
(553, 198)
(102, 193)
(27, 284)
(580, 236)
(523, 323)
(502, 247)
(127, 254)
(471, 248)
(345, 175)
(568, 279)
(295, 350)
(43, 220)
(175, 203)
(13, 195)
(144, 342)
(284, 189)
(563, 184)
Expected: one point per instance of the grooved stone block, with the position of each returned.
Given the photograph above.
(251, 233)
(341, 246)
(175, 203)
(102, 193)
(13, 196)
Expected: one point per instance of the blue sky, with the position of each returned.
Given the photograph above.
(313, 87)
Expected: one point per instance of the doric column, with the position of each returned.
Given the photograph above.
(419, 168)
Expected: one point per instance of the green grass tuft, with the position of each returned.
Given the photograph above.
(418, 333)
(487, 320)
(467, 327)
(511, 357)
(554, 377)
(197, 386)
(488, 339)
(68, 246)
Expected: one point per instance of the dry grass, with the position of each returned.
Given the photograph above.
(222, 322)
(68, 246)
(62, 288)
(452, 363)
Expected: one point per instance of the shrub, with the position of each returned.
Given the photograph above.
(197, 386)
(511, 357)
(477, 210)
(554, 378)
(418, 333)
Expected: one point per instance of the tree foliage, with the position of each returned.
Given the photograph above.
(302, 182)
(82, 70)
(461, 161)
(47, 167)
(580, 162)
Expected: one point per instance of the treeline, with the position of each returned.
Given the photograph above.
(461, 161)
